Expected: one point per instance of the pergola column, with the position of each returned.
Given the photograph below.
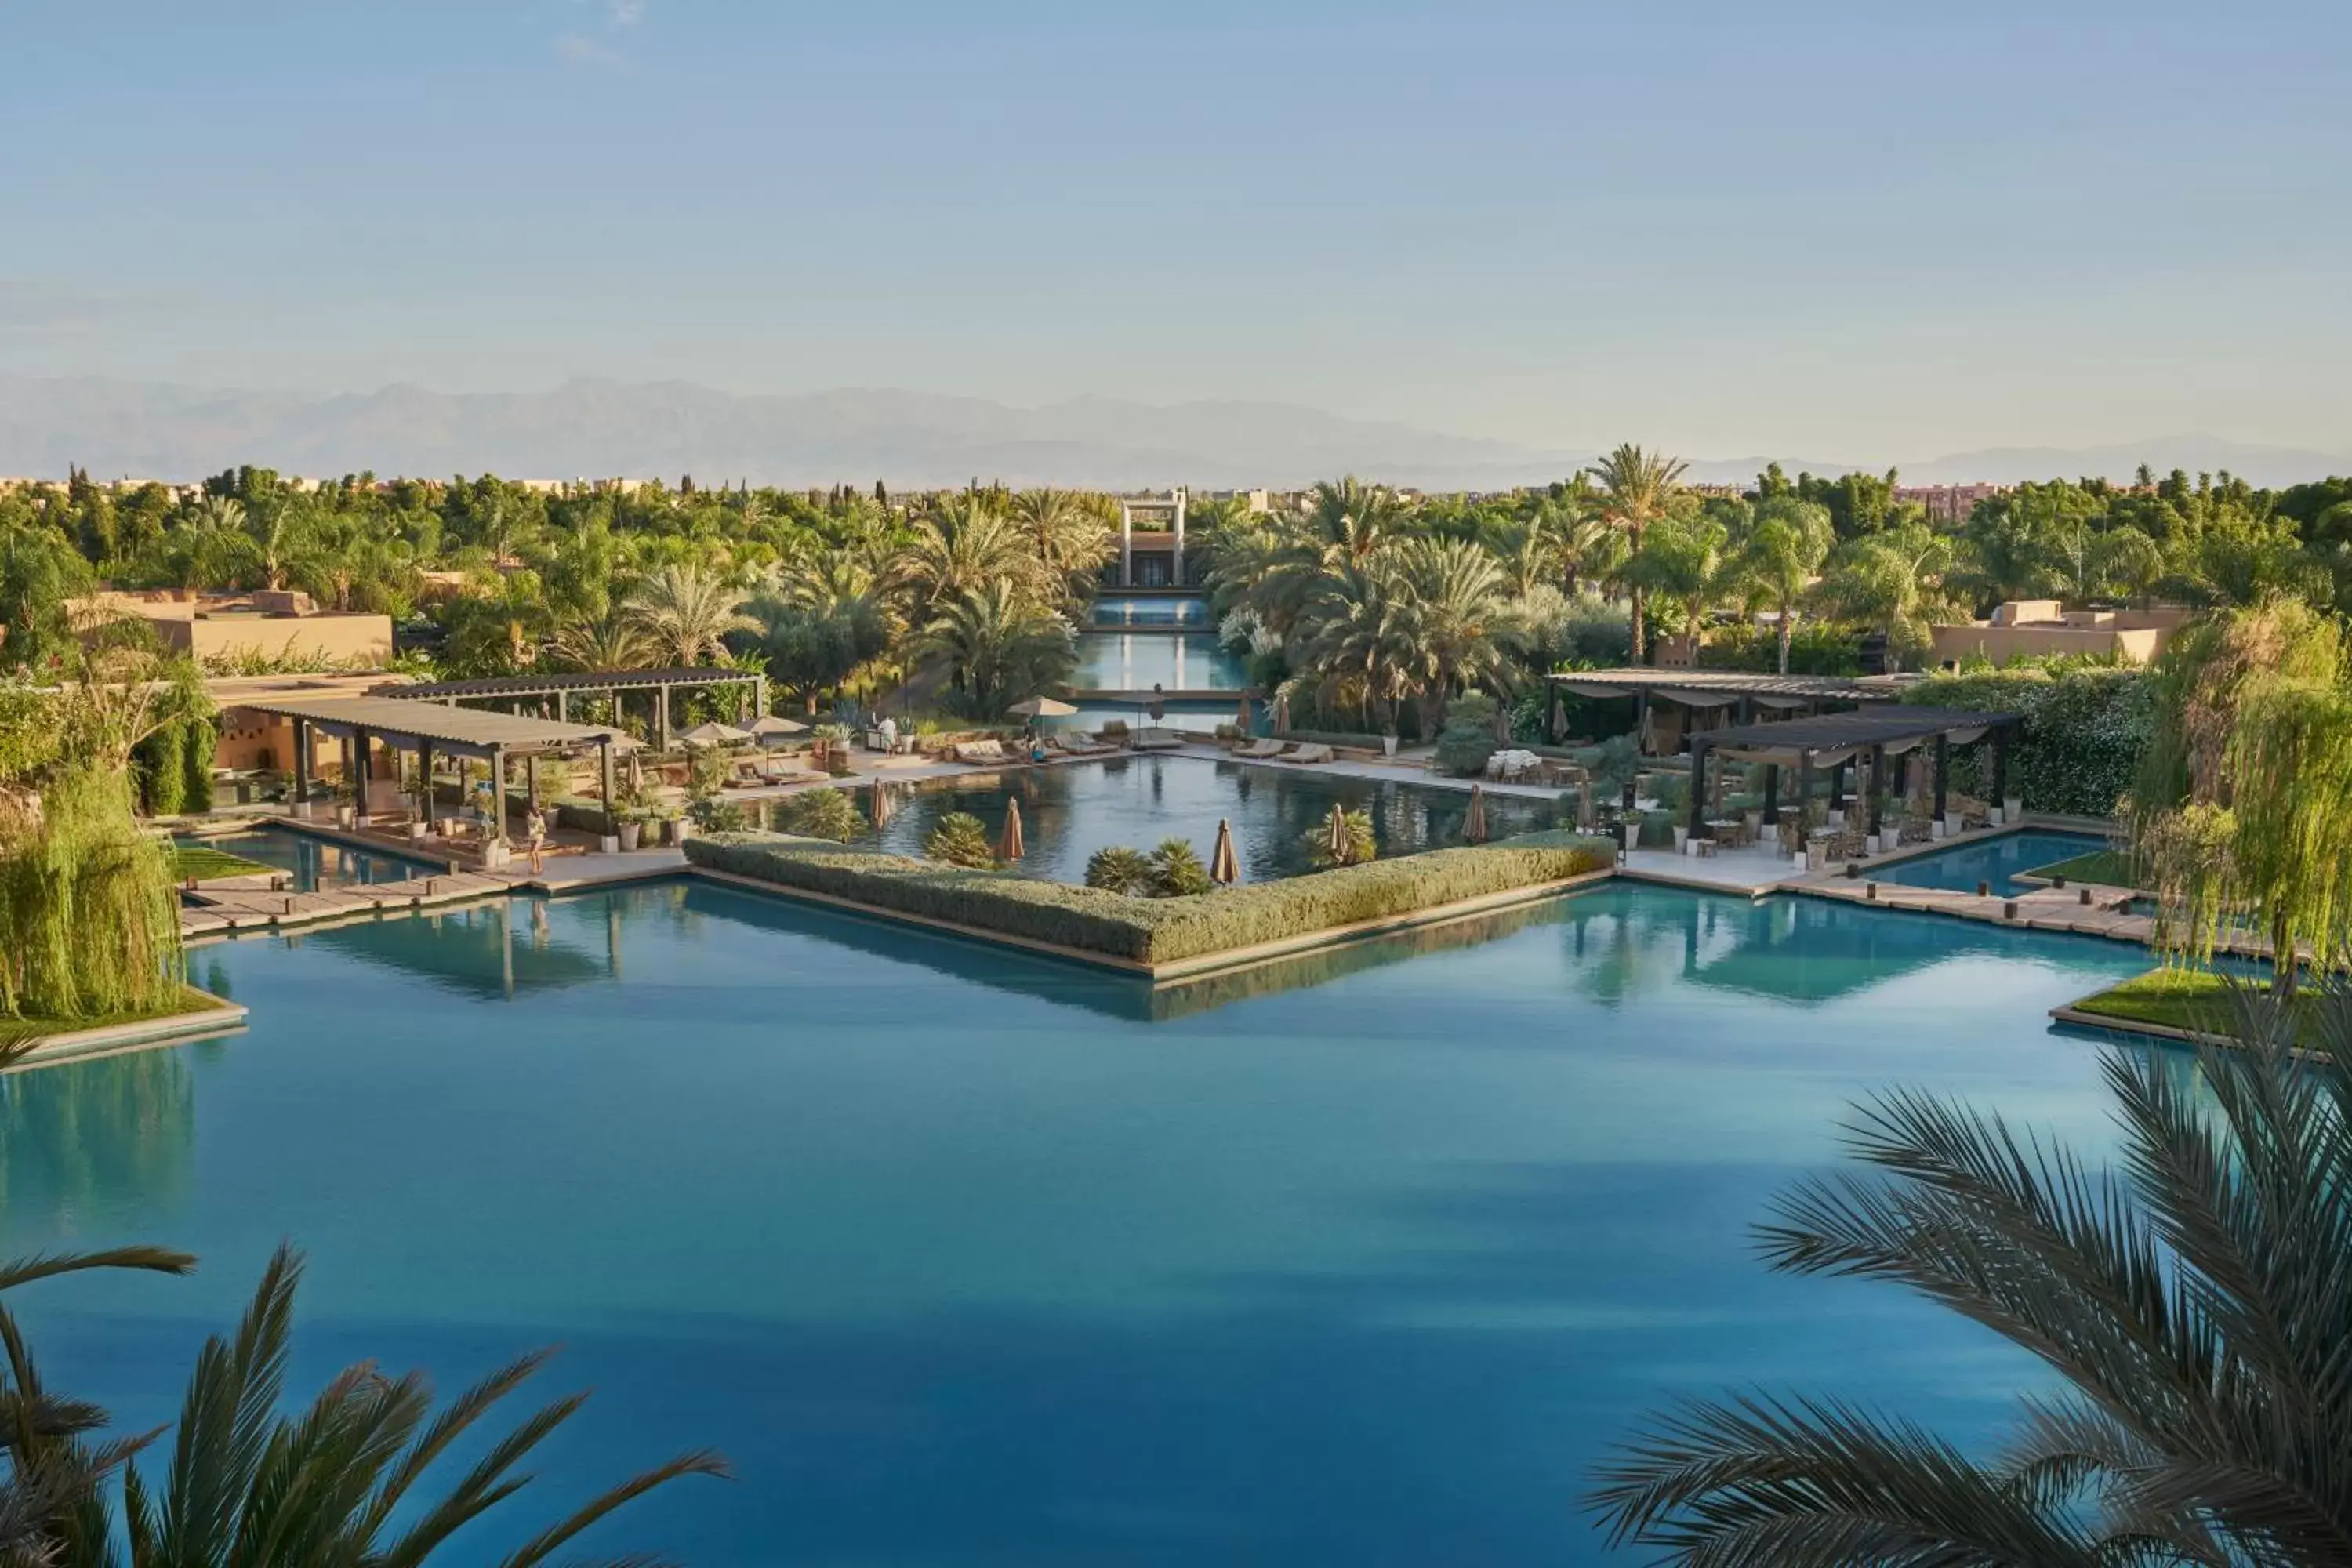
(301, 762)
(1126, 545)
(424, 780)
(498, 794)
(1641, 722)
(1699, 749)
(1555, 720)
(661, 718)
(1178, 579)
(563, 707)
(1837, 786)
(1771, 791)
(1943, 773)
(1877, 789)
(2000, 766)
(758, 697)
(604, 778)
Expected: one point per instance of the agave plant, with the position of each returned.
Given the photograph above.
(1177, 870)
(821, 813)
(961, 839)
(1121, 869)
(2195, 1301)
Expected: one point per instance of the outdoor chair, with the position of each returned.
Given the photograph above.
(1308, 754)
(1259, 750)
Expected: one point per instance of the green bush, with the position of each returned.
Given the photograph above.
(1116, 869)
(160, 765)
(821, 813)
(1153, 930)
(1357, 843)
(581, 815)
(200, 742)
(2084, 732)
(960, 839)
(1177, 871)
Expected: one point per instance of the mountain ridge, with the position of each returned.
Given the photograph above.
(594, 428)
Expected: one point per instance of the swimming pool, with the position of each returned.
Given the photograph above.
(963, 1257)
(1118, 611)
(1997, 861)
(1178, 661)
(1069, 812)
(316, 862)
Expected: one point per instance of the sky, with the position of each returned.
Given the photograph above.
(1808, 228)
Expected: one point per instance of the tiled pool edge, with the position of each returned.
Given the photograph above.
(80, 1045)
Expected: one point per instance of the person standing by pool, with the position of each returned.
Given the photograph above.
(535, 825)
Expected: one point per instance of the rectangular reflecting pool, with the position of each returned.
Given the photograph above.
(316, 862)
(1069, 812)
(1997, 860)
(1178, 661)
(966, 1257)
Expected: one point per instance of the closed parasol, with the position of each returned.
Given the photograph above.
(1009, 845)
(1336, 838)
(880, 810)
(1474, 822)
(1224, 865)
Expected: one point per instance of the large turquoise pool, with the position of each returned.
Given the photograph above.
(968, 1259)
(1069, 812)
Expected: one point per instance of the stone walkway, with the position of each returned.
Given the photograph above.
(218, 910)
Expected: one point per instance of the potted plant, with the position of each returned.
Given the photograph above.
(1389, 740)
(346, 811)
(833, 748)
(630, 828)
(1681, 838)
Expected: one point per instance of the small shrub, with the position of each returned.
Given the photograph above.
(1177, 871)
(960, 839)
(1114, 728)
(1356, 842)
(820, 814)
(1116, 869)
(713, 815)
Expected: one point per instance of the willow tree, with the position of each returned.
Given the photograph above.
(89, 921)
(2242, 811)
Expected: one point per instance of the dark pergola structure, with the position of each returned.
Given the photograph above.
(1743, 693)
(1835, 741)
(431, 730)
(516, 690)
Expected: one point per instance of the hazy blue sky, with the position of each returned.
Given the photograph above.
(1839, 230)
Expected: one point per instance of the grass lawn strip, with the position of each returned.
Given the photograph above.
(204, 864)
(21, 1033)
(2100, 868)
(2195, 1001)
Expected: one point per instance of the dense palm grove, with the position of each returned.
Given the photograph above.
(1368, 606)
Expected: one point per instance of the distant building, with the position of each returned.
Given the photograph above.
(281, 625)
(2038, 629)
(1151, 542)
(1947, 504)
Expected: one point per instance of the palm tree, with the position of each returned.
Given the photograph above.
(1778, 560)
(999, 648)
(2194, 1299)
(1067, 531)
(212, 548)
(1893, 580)
(1638, 487)
(963, 545)
(1681, 564)
(686, 615)
(1356, 641)
(1457, 621)
(613, 640)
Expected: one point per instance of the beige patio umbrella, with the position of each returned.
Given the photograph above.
(1336, 838)
(1474, 822)
(1041, 708)
(768, 727)
(880, 810)
(636, 774)
(1244, 717)
(714, 733)
(1224, 865)
(1009, 846)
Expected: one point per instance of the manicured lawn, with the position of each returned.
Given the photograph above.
(17, 1034)
(204, 863)
(2104, 868)
(2179, 999)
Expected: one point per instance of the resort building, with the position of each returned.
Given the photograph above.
(2038, 628)
(1948, 505)
(1151, 542)
(262, 625)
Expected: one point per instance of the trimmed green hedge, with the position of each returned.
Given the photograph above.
(1152, 931)
(2084, 732)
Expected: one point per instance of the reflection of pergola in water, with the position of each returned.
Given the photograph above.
(610, 684)
(477, 952)
(431, 730)
(1837, 741)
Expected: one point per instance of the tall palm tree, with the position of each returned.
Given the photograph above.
(962, 544)
(613, 640)
(1777, 560)
(1680, 563)
(1638, 487)
(999, 647)
(1067, 530)
(1459, 604)
(1358, 641)
(2194, 1299)
(212, 548)
(686, 614)
(1893, 580)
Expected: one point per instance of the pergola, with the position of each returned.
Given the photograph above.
(1712, 691)
(516, 690)
(1835, 741)
(430, 730)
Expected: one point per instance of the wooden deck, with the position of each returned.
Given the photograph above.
(2045, 908)
(211, 911)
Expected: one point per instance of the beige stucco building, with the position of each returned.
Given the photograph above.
(281, 625)
(2038, 628)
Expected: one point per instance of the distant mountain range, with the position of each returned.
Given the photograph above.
(590, 428)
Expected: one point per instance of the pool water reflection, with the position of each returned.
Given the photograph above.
(1997, 861)
(317, 863)
(1183, 661)
(968, 1257)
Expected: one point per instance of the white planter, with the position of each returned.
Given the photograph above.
(1388, 745)
(1953, 824)
(2014, 810)
(610, 844)
(1633, 837)
(1682, 841)
(630, 833)
(417, 831)
(1870, 843)
(345, 815)
(1837, 817)
(1936, 829)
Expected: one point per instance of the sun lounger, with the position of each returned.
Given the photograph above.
(1259, 750)
(1311, 752)
(1077, 746)
(982, 752)
(1156, 740)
